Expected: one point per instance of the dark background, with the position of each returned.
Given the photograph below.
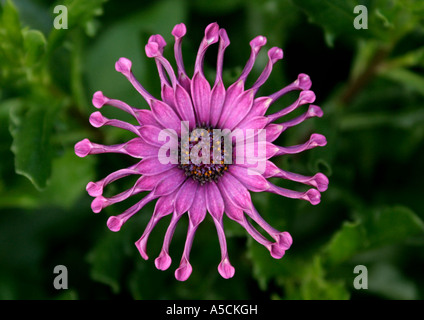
(369, 83)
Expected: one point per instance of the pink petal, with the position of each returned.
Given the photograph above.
(164, 206)
(166, 186)
(200, 92)
(235, 191)
(151, 134)
(232, 94)
(214, 201)
(216, 102)
(184, 106)
(185, 196)
(316, 140)
(166, 116)
(115, 223)
(152, 166)
(239, 109)
(255, 183)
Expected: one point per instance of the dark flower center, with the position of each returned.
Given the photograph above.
(202, 155)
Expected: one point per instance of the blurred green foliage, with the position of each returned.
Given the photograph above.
(369, 82)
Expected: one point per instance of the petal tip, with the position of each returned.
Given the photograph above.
(313, 196)
(212, 33)
(114, 224)
(141, 248)
(97, 204)
(321, 182)
(184, 271)
(123, 65)
(163, 261)
(315, 111)
(94, 189)
(152, 49)
(83, 148)
(304, 81)
(258, 42)
(97, 120)
(225, 269)
(318, 140)
(275, 54)
(99, 100)
(306, 96)
(179, 30)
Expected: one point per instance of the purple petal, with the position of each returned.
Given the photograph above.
(185, 196)
(274, 54)
(273, 131)
(316, 140)
(239, 109)
(115, 223)
(145, 117)
(166, 116)
(233, 92)
(132, 148)
(184, 270)
(319, 180)
(235, 191)
(260, 106)
(211, 36)
(312, 195)
(151, 134)
(216, 102)
(197, 211)
(95, 189)
(153, 166)
(303, 82)
(255, 183)
(164, 206)
(166, 186)
(214, 201)
(163, 261)
(201, 92)
(305, 97)
(256, 44)
(313, 111)
(184, 106)
(225, 269)
(123, 65)
(167, 93)
(254, 123)
(224, 42)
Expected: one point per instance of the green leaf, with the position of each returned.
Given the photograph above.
(107, 259)
(10, 22)
(334, 16)
(314, 285)
(409, 79)
(31, 126)
(80, 13)
(35, 46)
(361, 121)
(376, 228)
(387, 20)
(392, 225)
(70, 175)
(398, 288)
(410, 59)
(348, 241)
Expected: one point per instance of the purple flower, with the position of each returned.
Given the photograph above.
(184, 123)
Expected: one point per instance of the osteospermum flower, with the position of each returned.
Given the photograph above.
(187, 116)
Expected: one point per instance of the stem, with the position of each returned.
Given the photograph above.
(358, 83)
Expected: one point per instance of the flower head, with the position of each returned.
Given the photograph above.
(203, 148)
